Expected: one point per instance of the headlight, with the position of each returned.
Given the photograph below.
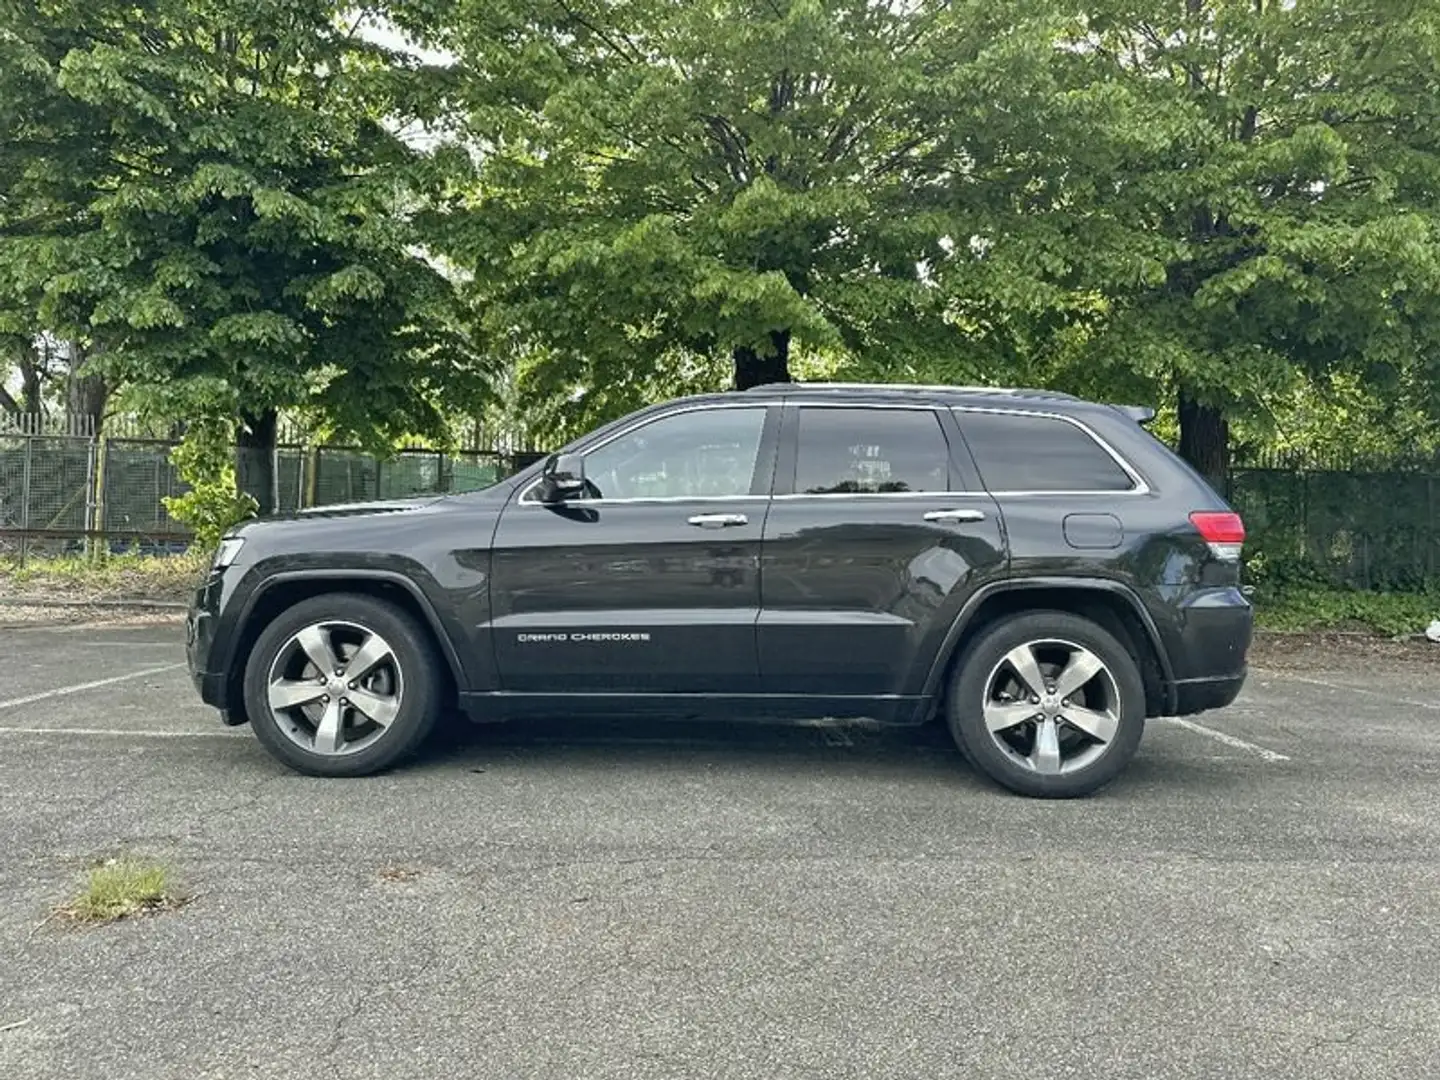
(226, 552)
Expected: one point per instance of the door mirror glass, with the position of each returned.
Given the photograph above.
(563, 477)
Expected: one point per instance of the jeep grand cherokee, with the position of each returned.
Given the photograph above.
(1038, 570)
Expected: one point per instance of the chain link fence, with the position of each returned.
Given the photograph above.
(1345, 522)
(1341, 521)
(60, 492)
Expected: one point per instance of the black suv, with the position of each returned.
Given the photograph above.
(1039, 569)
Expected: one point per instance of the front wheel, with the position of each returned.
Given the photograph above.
(1048, 704)
(342, 685)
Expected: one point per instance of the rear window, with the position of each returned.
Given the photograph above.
(1017, 452)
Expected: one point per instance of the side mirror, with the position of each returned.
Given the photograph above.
(563, 476)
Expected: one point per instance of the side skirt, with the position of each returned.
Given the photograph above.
(499, 706)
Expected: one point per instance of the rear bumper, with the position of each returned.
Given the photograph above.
(1201, 695)
(1210, 662)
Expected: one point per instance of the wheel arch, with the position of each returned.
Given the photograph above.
(270, 599)
(1110, 604)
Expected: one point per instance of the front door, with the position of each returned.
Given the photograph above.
(877, 535)
(649, 583)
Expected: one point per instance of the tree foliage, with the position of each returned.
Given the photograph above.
(671, 188)
(1237, 196)
(213, 195)
(1226, 205)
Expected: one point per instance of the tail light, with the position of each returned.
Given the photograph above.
(1222, 530)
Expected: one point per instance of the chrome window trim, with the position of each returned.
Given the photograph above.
(709, 406)
(883, 495)
(1140, 486)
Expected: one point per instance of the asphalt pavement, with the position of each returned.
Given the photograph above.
(1259, 896)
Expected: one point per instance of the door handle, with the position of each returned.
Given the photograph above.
(954, 517)
(718, 521)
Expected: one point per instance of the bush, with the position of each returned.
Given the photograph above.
(1309, 608)
(205, 460)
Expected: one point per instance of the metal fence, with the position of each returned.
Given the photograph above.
(60, 491)
(1344, 522)
(1348, 522)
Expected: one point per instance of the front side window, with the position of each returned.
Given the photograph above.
(1019, 452)
(703, 454)
(871, 452)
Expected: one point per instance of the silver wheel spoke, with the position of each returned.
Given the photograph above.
(316, 643)
(1100, 726)
(375, 707)
(290, 693)
(328, 736)
(1083, 666)
(1022, 660)
(1045, 757)
(1003, 715)
(372, 652)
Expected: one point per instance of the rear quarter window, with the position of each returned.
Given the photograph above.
(1020, 452)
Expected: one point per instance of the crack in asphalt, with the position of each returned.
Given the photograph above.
(361, 999)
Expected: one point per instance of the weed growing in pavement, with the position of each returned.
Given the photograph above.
(121, 888)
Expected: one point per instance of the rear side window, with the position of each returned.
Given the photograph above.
(871, 452)
(1039, 453)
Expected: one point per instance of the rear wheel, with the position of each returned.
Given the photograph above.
(342, 685)
(1048, 704)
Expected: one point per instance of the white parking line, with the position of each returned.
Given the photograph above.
(1228, 740)
(1357, 690)
(128, 733)
(63, 691)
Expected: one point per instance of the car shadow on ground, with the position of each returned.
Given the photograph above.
(922, 754)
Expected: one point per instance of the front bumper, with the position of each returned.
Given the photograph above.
(202, 656)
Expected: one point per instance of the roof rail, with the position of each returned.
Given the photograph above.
(921, 387)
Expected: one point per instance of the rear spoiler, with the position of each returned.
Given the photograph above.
(1141, 414)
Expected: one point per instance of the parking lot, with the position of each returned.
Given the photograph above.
(1258, 896)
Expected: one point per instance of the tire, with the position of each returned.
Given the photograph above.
(320, 733)
(1067, 747)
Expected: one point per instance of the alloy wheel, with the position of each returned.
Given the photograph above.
(1052, 706)
(334, 688)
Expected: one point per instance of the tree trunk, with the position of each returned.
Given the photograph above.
(754, 369)
(86, 393)
(27, 358)
(30, 367)
(256, 472)
(1205, 439)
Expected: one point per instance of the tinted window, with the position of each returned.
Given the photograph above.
(871, 451)
(1038, 453)
(704, 454)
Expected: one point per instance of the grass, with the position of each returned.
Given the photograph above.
(121, 888)
(1314, 608)
(112, 577)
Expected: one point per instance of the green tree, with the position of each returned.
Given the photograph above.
(213, 199)
(673, 192)
(1235, 198)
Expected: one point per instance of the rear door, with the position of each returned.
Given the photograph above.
(878, 532)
